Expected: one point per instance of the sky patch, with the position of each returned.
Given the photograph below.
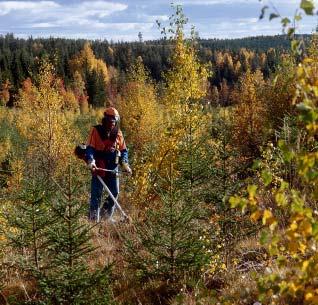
(124, 19)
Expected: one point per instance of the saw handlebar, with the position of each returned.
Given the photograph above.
(111, 171)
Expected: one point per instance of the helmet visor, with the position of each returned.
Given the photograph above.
(111, 118)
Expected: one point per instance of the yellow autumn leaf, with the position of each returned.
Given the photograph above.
(302, 247)
(294, 226)
(300, 71)
(268, 218)
(307, 60)
(256, 216)
(309, 296)
(305, 265)
(292, 287)
(305, 228)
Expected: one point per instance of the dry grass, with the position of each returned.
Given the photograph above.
(235, 285)
(247, 259)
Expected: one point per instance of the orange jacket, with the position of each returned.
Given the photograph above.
(103, 149)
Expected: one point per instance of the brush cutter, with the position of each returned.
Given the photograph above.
(113, 171)
(125, 217)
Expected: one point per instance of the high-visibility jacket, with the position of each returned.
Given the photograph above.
(104, 150)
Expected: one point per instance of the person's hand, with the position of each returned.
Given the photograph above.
(92, 165)
(127, 168)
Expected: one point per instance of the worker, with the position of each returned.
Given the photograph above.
(106, 149)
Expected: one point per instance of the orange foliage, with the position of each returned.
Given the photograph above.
(5, 92)
(249, 114)
(70, 101)
(29, 90)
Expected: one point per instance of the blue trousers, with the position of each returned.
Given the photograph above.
(109, 206)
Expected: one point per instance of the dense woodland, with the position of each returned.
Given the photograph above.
(229, 59)
(222, 139)
(17, 55)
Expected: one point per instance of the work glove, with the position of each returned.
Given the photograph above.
(126, 168)
(92, 165)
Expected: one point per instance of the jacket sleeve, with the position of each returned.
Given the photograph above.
(124, 156)
(90, 152)
(123, 149)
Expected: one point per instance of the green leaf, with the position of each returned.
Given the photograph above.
(297, 204)
(298, 17)
(281, 260)
(308, 6)
(256, 164)
(267, 177)
(291, 32)
(264, 237)
(273, 15)
(281, 199)
(235, 201)
(315, 229)
(295, 45)
(251, 189)
(285, 21)
(284, 186)
(288, 153)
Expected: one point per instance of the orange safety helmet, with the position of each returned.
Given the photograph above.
(111, 111)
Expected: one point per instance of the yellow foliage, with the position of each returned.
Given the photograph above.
(296, 243)
(87, 59)
(69, 100)
(256, 215)
(186, 85)
(139, 109)
(5, 146)
(43, 123)
(15, 180)
(141, 120)
(159, 131)
(187, 80)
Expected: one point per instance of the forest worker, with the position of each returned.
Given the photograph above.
(106, 149)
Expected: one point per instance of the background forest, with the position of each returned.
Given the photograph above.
(222, 138)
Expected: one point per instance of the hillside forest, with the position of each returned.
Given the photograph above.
(222, 139)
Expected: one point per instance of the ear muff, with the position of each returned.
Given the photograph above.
(108, 118)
